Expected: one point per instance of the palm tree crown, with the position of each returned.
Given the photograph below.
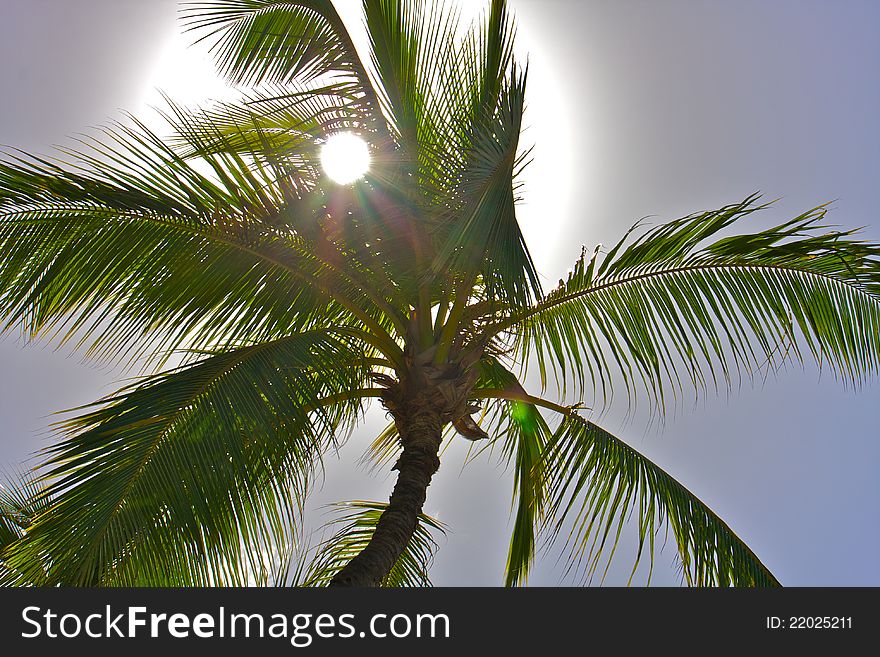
(290, 303)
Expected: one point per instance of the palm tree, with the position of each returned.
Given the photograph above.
(274, 305)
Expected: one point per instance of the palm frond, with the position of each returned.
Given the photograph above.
(670, 305)
(281, 42)
(455, 102)
(596, 482)
(481, 234)
(413, 51)
(276, 41)
(524, 434)
(357, 522)
(21, 502)
(384, 450)
(130, 243)
(281, 127)
(193, 476)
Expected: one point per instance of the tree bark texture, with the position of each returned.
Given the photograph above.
(420, 424)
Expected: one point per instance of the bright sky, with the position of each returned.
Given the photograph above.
(635, 108)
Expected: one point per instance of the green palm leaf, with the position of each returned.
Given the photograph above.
(523, 434)
(276, 126)
(672, 305)
(583, 480)
(596, 482)
(193, 476)
(146, 248)
(277, 41)
(22, 500)
(357, 522)
(484, 237)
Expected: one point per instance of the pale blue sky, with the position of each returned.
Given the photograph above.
(639, 108)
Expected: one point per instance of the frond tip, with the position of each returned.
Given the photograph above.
(678, 304)
(597, 481)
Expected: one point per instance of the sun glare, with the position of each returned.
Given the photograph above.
(345, 158)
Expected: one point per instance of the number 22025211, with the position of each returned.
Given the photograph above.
(809, 623)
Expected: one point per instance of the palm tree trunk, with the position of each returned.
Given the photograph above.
(421, 428)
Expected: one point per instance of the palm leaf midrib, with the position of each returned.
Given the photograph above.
(239, 357)
(228, 240)
(550, 303)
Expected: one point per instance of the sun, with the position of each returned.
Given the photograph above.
(345, 158)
